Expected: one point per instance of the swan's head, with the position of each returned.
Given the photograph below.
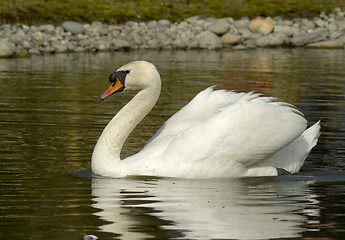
(137, 75)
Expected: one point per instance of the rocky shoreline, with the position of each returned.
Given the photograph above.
(199, 32)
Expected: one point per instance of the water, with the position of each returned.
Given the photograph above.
(51, 117)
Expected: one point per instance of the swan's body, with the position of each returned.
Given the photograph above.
(218, 134)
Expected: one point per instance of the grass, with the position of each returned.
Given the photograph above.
(112, 11)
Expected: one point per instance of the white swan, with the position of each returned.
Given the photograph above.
(218, 134)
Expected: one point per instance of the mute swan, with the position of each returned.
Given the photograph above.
(218, 134)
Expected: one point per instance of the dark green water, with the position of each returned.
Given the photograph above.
(51, 117)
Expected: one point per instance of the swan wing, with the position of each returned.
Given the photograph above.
(203, 106)
(245, 130)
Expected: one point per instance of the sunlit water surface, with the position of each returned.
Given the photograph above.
(51, 117)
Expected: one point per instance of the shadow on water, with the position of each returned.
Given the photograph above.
(51, 117)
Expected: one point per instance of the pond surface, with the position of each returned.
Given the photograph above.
(51, 117)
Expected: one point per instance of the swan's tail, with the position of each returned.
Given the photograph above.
(291, 158)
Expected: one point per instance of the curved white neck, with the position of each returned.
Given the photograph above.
(106, 155)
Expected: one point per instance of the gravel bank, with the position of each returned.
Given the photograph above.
(199, 32)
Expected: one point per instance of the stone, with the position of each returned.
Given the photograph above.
(272, 40)
(103, 31)
(79, 49)
(251, 44)
(114, 33)
(96, 25)
(230, 39)
(197, 18)
(101, 46)
(335, 35)
(26, 44)
(191, 44)
(81, 36)
(329, 44)
(254, 36)
(323, 15)
(307, 24)
(219, 27)
(245, 33)
(263, 26)
(332, 27)
(341, 14)
(306, 38)
(59, 30)
(186, 39)
(192, 19)
(59, 47)
(209, 40)
(34, 51)
(7, 49)
(341, 25)
(164, 22)
(73, 27)
(287, 30)
(119, 43)
(38, 35)
(319, 22)
(17, 39)
(336, 10)
(25, 28)
(182, 25)
(152, 24)
(71, 47)
(243, 23)
(84, 42)
(46, 28)
(240, 47)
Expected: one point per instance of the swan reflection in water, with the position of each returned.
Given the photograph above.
(256, 208)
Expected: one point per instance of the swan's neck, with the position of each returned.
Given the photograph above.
(106, 155)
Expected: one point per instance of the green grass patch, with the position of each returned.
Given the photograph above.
(111, 11)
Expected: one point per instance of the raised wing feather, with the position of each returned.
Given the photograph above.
(204, 105)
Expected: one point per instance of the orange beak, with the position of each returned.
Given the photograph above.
(115, 87)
